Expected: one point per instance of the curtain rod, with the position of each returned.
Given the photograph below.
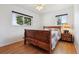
(61, 15)
(22, 14)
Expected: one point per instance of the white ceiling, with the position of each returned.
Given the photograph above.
(47, 8)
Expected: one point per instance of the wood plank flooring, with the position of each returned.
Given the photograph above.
(20, 48)
(65, 48)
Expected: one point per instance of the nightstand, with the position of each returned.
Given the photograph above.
(67, 37)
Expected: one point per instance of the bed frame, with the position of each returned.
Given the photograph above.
(39, 38)
(48, 27)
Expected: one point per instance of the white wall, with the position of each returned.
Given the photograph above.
(50, 19)
(76, 27)
(8, 32)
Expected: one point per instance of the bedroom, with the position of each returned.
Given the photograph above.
(11, 40)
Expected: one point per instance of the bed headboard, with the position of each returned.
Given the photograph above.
(54, 28)
(59, 27)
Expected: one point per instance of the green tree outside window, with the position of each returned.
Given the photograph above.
(19, 20)
(27, 21)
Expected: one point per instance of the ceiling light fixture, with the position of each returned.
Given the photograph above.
(39, 6)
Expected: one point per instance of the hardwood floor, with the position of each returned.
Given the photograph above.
(65, 48)
(20, 48)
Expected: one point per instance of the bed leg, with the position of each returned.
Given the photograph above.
(24, 41)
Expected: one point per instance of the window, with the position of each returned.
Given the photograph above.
(62, 19)
(21, 19)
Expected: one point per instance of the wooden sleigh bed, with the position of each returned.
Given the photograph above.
(39, 38)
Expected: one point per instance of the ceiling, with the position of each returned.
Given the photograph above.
(47, 7)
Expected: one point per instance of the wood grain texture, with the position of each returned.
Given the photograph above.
(67, 37)
(20, 48)
(59, 27)
(65, 48)
(39, 38)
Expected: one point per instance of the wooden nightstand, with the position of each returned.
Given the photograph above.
(67, 37)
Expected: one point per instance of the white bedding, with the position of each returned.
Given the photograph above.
(56, 35)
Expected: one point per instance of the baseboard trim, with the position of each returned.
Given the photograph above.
(77, 49)
(2, 45)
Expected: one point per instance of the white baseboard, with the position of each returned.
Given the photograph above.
(77, 48)
(1, 45)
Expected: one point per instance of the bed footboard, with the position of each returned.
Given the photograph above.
(39, 38)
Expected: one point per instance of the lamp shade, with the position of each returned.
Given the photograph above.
(66, 25)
